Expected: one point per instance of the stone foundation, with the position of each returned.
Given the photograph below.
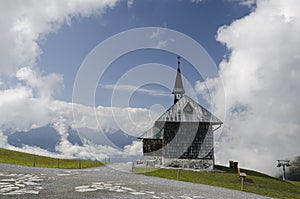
(153, 160)
(189, 163)
(179, 163)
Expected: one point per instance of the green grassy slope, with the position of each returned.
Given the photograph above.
(26, 159)
(256, 182)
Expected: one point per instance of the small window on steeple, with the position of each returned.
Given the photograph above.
(188, 108)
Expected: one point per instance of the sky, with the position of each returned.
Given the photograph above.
(76, 41)
(240, 59)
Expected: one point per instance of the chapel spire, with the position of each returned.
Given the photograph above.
(178, 90)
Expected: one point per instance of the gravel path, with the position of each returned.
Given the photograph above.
(101, 182)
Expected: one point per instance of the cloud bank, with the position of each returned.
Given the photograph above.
(261, 80)
(30, 104)
(27, 95)
(25, 23)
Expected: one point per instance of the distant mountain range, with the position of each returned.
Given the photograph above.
(47, 137)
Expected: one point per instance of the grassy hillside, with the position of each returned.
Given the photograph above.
(256, 182)
(25, 159)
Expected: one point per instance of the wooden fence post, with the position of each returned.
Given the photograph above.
(178, 174)
(34, 160)
(146, 168)
(243, 177)
(79, 164)
(242, 184)
(132, 166)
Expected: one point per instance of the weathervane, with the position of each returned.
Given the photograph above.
(283, 163)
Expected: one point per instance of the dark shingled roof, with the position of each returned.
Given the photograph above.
(153, 133)
(187, 110)
(184, 110)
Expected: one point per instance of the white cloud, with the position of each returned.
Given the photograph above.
(133, 121)
(27, 99)
(88, 151)
(161, 44)
(134, 149)
(261, 81)
(69, 151)
(21, 111)
(30, 105)
(158, 38)
(155, 34)
(130, 3)
(44, 85)
(24, 23)
(29, 102)
(37, 150)
(131, 88)
(248, 3)
(197, 1)
(3, 140)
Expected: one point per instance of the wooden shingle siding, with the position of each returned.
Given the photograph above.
(187, 140)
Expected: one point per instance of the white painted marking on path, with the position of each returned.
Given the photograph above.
(17, 184)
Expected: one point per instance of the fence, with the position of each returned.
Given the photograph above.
(41, 161)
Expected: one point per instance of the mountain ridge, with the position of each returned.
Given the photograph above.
(47, 137)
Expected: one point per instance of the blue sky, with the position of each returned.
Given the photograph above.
(64, 50)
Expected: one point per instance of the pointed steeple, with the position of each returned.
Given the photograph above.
(178, 90)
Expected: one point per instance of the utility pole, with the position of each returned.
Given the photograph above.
(283, 163)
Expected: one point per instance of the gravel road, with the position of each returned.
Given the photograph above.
(101, 182)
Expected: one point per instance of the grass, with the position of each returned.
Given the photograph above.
(256, 182)
(26, 159)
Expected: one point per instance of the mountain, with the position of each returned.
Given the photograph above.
(98, 138)
(120, 139)
(47, 138)
(44, 137)
(73, 137)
